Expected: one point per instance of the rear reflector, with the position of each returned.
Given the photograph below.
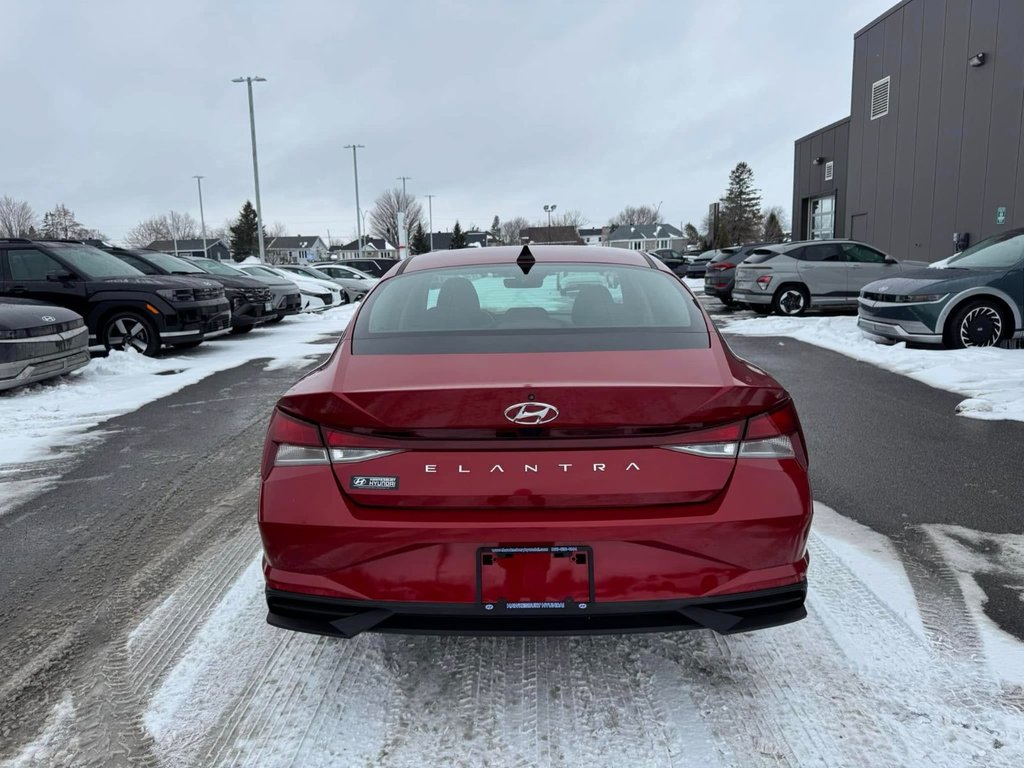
(780, 447)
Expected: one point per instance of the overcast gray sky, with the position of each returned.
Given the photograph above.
(494, 107)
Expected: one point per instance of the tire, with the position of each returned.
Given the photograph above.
(790, 300)
(727, 301)
(978, 323)
(345, 299)
(276, 320)
(759, 309)
(130, 330)
(238, 330)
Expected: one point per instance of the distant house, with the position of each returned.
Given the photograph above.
(590, 235)
(377, 247)
(291, 250)
(551, 235)
(442, 241)
(647, 237)
(214, 248)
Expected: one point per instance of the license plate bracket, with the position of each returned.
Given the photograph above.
(535, 579)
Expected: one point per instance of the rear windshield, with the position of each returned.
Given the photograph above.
(724, 254)
(760, 256)
(555, 308)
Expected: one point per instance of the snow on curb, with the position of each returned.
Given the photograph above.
(992, 379)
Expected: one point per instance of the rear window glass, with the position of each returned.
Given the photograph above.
(760, 256)
(556, 308)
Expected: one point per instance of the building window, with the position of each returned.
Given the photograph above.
(880, 98)
(821, 218)
(635, 245)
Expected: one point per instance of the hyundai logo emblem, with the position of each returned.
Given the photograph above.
(531, 413)
(48, 319)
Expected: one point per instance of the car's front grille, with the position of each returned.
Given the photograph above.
(256, 294)
(45, 330)
(204, 294)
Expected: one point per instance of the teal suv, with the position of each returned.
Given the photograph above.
(975, 300)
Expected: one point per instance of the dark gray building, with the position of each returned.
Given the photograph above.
(936, 131)
(819, 182)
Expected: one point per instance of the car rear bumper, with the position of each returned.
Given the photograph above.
(751, 297)
(726, 614)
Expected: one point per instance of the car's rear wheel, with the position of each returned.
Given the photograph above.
(790, 300)
(131, 330)
(727, 301)
(976, 324)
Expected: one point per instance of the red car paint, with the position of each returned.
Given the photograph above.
(481, 525)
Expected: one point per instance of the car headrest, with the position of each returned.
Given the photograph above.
(593, 306)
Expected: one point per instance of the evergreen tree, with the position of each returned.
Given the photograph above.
(420, 241)
(693, 237)
(245, 233)
(495, 231)
(741, 207)
(772, 229)
(458, 237)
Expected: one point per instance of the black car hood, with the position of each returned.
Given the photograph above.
(933, 280)
(278, 282)
(142, 283)
(18, 314)
(230, 281)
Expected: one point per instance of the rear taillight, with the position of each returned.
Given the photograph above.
(722, 266)
(772, 435)
(764, 281)
(294, 442)
(291, 442)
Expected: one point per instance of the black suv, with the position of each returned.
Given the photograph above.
(247, 307)
(122, 306)
(720, 277)
(252, 300)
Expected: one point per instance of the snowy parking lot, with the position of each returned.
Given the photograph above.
(872, 677)
(896, 664)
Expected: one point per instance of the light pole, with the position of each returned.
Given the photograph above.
(255, 163)
(548, 209)
(202, 217)
(430, 208)
(403, 231)
(355, 171)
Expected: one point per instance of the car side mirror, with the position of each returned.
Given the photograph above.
(890, 260)
(60, 276)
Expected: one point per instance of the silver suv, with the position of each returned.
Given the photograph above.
(790, 278)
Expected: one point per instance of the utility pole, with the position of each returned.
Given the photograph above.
(403, 226)
(255, 163)
(202, 217)
(359, 218)
(174, 232)
(430, 208)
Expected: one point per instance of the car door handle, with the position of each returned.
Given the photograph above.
(18, 289)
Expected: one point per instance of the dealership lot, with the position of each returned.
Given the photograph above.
(158, 654)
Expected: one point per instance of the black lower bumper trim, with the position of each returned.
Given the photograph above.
(725, 614)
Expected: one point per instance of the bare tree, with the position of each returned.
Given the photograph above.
(571, 218)
(16, 217)
(278, 229)
(780, 215)
(511, 228)
(632, 215)
(384, 216)
(61, 224)
(176, 226)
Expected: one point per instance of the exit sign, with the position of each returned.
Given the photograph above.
(1001, 214)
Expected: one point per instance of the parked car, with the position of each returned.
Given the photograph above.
(790, 278)
(39, 341)
(317, 295)
(122, 306)
(690, 264)
(284, 297)
(720, 270)
(975, 299)
(374, 267)
(252, 301)
(674, 260)
(337, 271)
(353, 288)
(624, 471)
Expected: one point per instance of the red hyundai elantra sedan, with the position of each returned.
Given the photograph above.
(534, 440)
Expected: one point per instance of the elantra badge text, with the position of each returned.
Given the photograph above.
(531, 413)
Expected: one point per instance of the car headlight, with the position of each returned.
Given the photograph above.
(176, 295)
(919, 298)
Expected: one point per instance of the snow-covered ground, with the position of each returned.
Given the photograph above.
(42, 422)
(991, 379)
(872, 677)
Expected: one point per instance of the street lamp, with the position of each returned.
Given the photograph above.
(548, 209)
(430, 208)
(255, 163)
(355, 170)
(403, 242)
(202, 217)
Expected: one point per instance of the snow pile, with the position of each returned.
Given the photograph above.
(992, 379)
(41, 421)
